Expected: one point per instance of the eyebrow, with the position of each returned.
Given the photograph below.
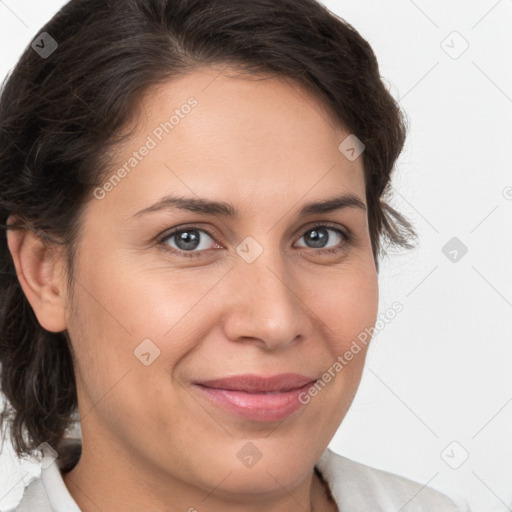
(200, 205)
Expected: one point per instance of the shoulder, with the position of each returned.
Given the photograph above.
(48, 492)
(34, 498)
(355, 485)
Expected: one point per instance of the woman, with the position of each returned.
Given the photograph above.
(193, 194)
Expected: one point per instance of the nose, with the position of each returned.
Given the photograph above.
(265, 304)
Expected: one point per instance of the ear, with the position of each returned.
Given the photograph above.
(39, 267)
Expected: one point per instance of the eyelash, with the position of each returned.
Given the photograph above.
(347, 237)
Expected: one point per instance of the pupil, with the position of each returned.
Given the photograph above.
(317, 237)
(187, 240)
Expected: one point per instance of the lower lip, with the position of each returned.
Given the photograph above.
(256, 406)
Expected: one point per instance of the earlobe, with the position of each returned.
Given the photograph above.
(39, 270)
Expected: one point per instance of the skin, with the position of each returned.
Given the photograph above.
(150, 441)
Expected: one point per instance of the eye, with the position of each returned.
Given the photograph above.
(192, 241)
(319, 237)
(188, 241)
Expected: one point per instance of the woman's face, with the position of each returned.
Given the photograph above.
(263, 290)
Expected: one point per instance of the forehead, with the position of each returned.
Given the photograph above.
(215, 133)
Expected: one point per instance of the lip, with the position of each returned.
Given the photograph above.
(256, 397)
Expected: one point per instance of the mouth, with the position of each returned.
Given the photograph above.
(255, 397)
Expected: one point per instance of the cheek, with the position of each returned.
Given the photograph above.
(346, 306)
(129, 316)
(123, 307)
(133, 302)
(124, 360)
(131, 327)
(347, 303)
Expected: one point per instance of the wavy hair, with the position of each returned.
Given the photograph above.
(60, 115)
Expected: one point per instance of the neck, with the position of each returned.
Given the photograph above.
(110, 484)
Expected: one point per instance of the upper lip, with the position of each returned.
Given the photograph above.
(252, 383)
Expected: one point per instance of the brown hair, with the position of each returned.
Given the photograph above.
(61, 113)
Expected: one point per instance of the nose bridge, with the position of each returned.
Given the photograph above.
(263, 305)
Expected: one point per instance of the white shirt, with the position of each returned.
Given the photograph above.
(354, 486)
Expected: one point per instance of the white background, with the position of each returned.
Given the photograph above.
(440, 372)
